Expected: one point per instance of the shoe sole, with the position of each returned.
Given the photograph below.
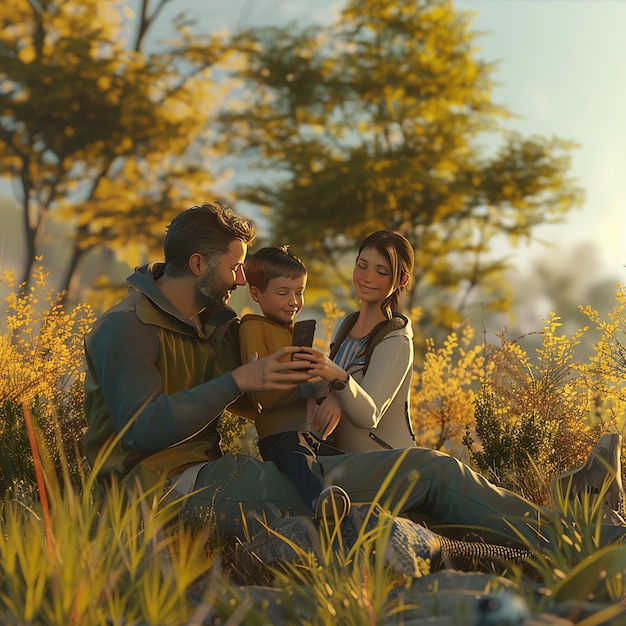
(333, 505)
(604, 460)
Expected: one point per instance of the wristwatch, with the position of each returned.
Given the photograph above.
(337, 385)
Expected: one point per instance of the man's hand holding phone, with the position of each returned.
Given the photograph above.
(272, 372)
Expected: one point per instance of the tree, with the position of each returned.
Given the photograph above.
(380, 121)
(97, 132)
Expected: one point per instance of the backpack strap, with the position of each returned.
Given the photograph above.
(376, 336)
(395, 323)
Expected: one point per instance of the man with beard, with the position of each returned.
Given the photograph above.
(164, 364)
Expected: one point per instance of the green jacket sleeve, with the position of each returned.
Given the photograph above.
(123, 355)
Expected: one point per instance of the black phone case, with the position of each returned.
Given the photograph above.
(303, 333)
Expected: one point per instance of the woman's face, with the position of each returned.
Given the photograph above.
(372, 276)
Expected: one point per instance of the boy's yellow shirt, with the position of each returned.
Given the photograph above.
(278, 411)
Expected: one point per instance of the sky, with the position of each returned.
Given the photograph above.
(561, 69)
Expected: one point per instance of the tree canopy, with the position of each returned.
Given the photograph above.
(384, 119)
(97, 132)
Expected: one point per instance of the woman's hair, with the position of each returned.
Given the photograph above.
(398, 251)
(273, 262)
(207, 230)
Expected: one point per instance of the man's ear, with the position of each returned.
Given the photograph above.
(254, 293)
(196, 261)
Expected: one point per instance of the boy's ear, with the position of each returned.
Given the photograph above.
(254, 293)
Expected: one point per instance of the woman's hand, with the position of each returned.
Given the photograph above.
(321, 366)
(326, 417)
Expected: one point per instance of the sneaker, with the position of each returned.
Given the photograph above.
(331, 506)
(604, 460)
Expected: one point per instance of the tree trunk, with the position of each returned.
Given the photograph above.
(33, 234)
(70, 282)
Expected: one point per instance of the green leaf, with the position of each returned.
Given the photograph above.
(588, 579)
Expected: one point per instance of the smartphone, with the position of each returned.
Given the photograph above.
(303, 333)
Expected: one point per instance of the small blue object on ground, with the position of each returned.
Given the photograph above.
(501, 609)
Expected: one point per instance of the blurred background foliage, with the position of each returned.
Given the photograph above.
(379, 119)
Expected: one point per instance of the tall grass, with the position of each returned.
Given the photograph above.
(42, 368)
(72, 554)
(117, 559)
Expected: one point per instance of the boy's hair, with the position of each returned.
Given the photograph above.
(208, 230)
(272, 262)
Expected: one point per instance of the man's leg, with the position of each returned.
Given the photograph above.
(422, 480)
(231, 485)
(430, 482)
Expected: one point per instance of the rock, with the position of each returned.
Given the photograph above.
(435, 593)
(502, 608)
(446, 598)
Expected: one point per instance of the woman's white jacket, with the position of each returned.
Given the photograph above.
(378, 401)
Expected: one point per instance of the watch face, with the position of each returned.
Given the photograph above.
(337, 385)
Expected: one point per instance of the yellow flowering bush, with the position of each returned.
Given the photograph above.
(332, 315)
(605, 373)
(531, 413)
(443, 391)
(41, 367)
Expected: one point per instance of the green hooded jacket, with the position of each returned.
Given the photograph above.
(162, 377)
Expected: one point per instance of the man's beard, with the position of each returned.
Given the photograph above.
(210, 293)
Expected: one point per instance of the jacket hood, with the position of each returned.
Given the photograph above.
(150, 310)
(407, 329)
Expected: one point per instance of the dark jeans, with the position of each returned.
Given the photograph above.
(295, 454)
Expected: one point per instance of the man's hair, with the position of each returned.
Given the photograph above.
(207, 229)
(398, 251)
(272, 262)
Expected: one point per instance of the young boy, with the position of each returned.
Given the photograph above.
(277, 280)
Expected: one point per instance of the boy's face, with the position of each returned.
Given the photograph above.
(282, 300)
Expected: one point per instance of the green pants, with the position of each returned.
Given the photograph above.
(416, 481)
